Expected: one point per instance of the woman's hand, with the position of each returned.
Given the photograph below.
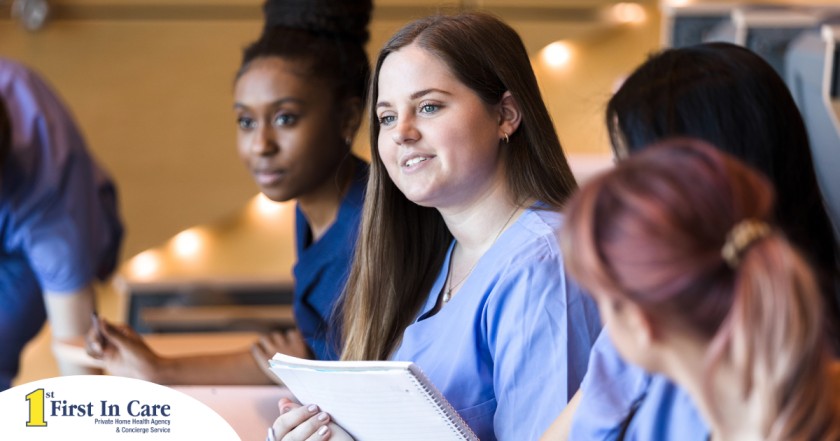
(305, 423)
(124, 352)
(288, 342)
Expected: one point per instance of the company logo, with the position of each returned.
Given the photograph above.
(140, 414)
(102, 407)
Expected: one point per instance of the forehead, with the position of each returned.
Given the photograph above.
(270, 78)
(413, 68)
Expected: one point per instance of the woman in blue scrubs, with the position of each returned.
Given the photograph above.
(299, 98)
(458, 267)
(730, 97)
(59, 227)
(694, 283)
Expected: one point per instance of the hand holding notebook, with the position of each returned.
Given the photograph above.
(374, 400)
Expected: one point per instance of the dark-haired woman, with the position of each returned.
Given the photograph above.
(695, 284)
(458, 266)
(299, 97)
(728, 96)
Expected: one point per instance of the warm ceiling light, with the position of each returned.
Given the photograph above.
(145, 265)
(628, 13)
(187, 244)
(265, 207)
(679, 2)
(557, 54)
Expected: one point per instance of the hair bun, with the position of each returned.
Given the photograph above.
(344, 18)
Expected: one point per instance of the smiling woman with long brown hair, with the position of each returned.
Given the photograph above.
(458, 267)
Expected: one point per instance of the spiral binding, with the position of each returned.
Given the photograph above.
(451, 416)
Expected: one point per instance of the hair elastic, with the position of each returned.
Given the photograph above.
(740, 237)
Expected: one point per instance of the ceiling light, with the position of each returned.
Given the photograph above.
(187, 244)
(265, 207)
(145, 265)
(557, 54)
(631, 13)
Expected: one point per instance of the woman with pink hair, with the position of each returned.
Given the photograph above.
(695, 284)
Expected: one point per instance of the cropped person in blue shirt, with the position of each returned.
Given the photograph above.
(299, 100)
(458, 268)
(728, 96)
(59, 228)
(695, 284)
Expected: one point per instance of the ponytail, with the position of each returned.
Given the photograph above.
(679, 230)
(773, 336)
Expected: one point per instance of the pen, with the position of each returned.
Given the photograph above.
(100, 339)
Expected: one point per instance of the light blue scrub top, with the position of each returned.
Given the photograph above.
(610, 390)
(511, 348)
(59, 228)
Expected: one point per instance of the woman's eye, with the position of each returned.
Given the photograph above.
(429, 108)
(285, 119)
(386, 120)
(246, 123)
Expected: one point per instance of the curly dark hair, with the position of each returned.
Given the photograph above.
(328, 34)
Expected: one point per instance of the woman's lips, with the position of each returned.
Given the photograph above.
(268, 177)
(414, 161)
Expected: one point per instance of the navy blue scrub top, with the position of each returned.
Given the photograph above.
(322, 269)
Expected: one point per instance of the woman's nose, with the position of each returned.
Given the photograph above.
(265, 141)
(405, 131)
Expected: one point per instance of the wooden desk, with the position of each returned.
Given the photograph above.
(167, 345)
(250, 410)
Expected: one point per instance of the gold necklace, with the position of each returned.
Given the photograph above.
(447, 293)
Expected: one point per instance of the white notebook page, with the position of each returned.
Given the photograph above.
(371, 400)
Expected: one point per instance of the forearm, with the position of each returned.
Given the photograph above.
(70, 318)
(560, 428)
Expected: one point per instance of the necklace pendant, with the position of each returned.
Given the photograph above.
(447, 295)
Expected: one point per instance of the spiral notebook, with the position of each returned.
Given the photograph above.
(374, 400)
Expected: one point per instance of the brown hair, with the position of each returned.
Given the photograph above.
(402, 245)
(651, 232)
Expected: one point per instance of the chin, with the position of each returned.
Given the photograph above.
(278, 194)
(420, 196)
(419, 200)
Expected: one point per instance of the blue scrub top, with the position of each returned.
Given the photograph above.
(612, 387)
(510, 349)
(59, 228)
(322, 269)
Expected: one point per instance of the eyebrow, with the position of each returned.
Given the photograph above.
(238, 105)
(414, 96)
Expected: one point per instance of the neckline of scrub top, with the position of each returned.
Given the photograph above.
(349, 208)
(520, 226)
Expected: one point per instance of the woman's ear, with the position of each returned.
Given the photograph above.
(350, 116)
(639, 324)
(510, 115)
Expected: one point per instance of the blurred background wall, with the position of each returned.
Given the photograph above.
(150, 83)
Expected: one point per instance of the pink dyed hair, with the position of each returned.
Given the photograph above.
(651, 232)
